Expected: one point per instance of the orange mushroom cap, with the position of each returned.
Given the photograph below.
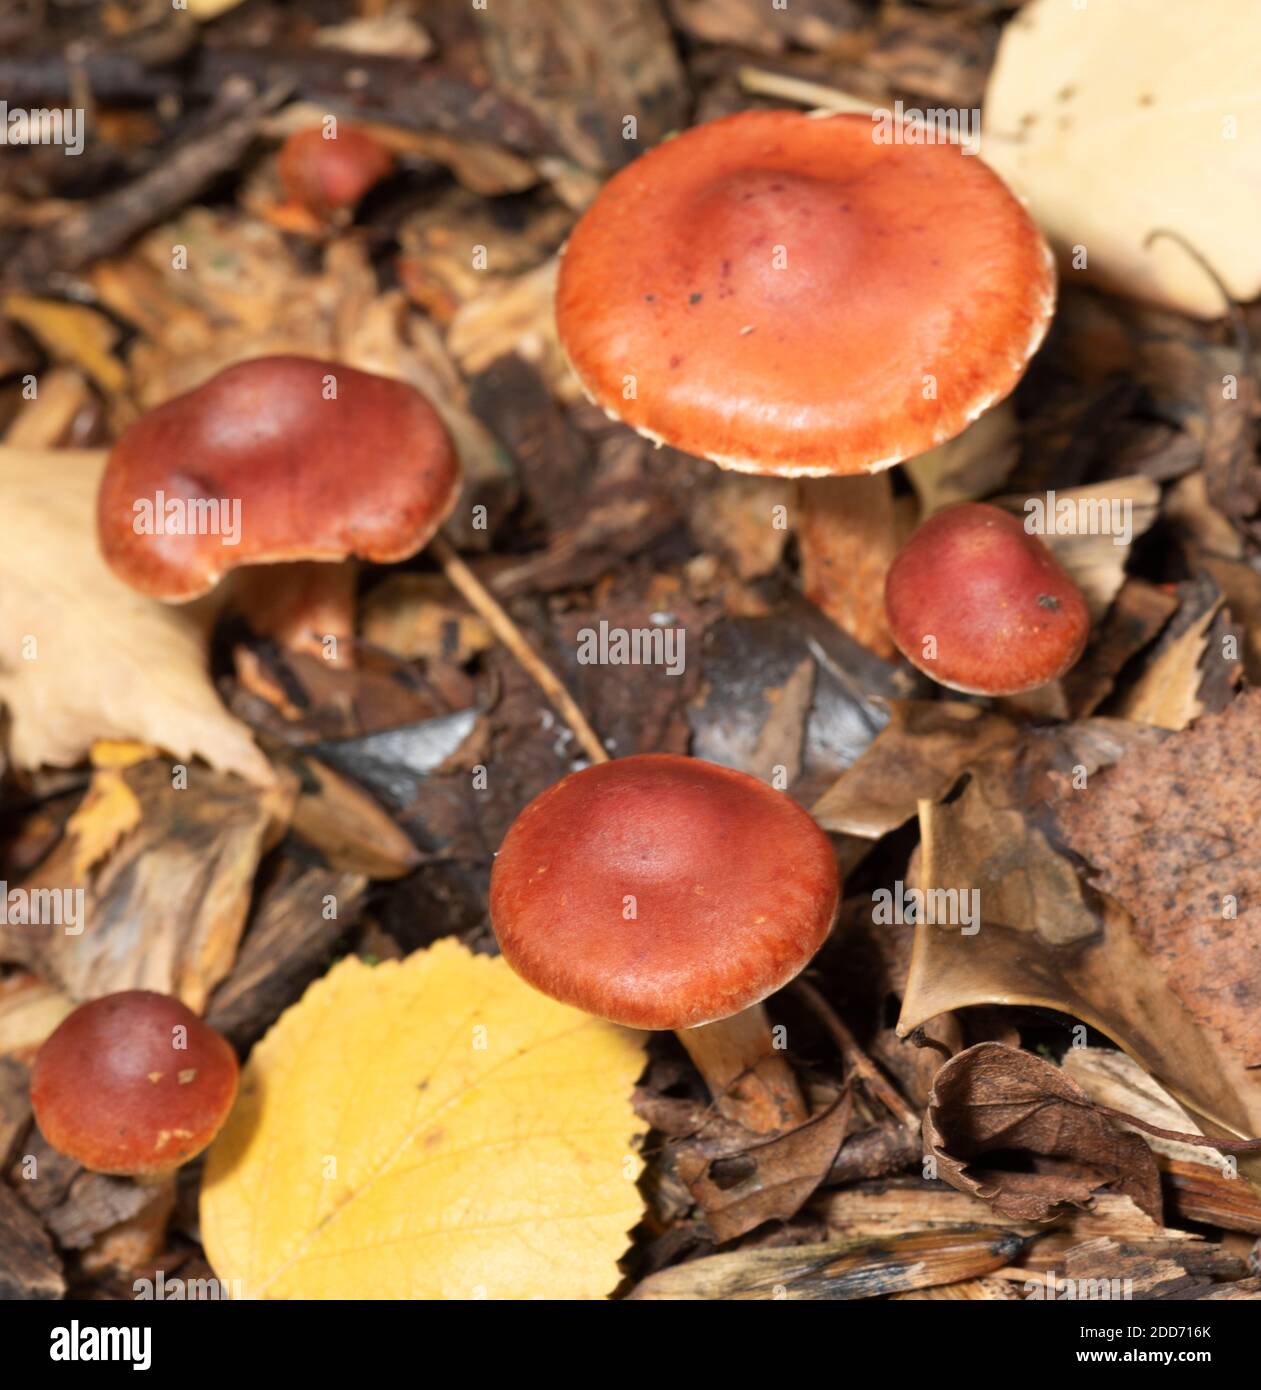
(1002, 613)
(662, 892)
(133, 1083)
(781, 294)
(368, 471)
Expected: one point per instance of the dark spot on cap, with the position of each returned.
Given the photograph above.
(695, 297)
(1048, 601)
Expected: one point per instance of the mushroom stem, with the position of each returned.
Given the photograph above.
(492, 612)
(303, 603)
(750, 1081)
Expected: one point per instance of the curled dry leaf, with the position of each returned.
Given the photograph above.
(82, 656)
(994, 1099)
(1177, 680)
(430, 1128)
(918, 756)
(1059, 949)
(1170, 833)
(740, 1186)
(1168, 89)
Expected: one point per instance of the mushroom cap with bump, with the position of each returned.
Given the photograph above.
(662, 892)
(320, 462)
(782, 294)
(982, 606)
(133, 1083)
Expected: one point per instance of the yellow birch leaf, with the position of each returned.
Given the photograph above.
(427, 1128)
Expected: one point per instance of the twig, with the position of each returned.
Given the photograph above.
(402, 91)
(108, 223)
(1234, 1146)
(488, 608)
(784, 87)
(855, 1058)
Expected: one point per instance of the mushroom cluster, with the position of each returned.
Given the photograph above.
(784, 295)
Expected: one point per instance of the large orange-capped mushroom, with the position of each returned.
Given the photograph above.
(663, 892)
(982, 606)
(784, 295)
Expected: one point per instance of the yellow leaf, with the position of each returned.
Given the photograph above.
(74, 333)
(427, 1128)
(104, 816)
(120, 752)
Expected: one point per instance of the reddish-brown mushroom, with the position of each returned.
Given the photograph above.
(330, 171)
(981, 605)
(273, 461)
(782, 294)
(661, 892)
(133, 1084)
(293, 464)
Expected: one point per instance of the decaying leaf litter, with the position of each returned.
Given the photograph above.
(245, 822)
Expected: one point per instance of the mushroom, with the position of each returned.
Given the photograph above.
(133, 1084)
(289, 467)
(277, 461)
(782, 295)
(663, 892)
(329, 173)
(982, 606)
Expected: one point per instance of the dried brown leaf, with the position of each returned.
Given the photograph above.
(993, 1100)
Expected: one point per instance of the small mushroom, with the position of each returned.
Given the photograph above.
(788, 296)
(278, 461)
(982, 606)
(288, 467)
(663, 892)
(133, 1084)
(329, 173)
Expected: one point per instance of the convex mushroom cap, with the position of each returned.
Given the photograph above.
(328, 173)
(662, 892)
(322, 461)
(133, 1083)
(982, 606)
(782, 294)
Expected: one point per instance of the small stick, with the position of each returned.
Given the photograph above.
(784, 87)
(856, 1058)
(487, 607)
